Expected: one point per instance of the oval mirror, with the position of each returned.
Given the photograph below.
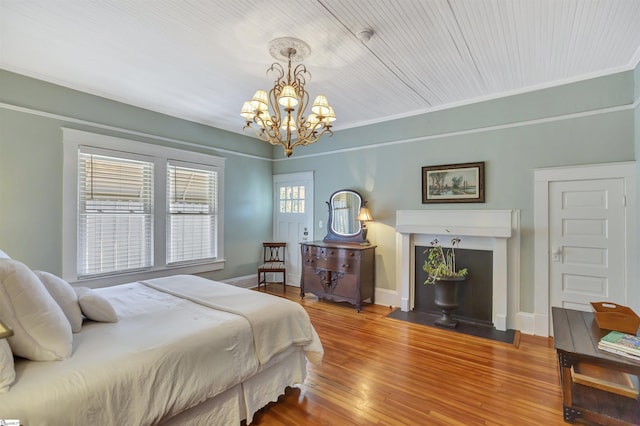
(344, 206)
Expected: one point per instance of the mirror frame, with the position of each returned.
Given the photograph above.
(357, 237)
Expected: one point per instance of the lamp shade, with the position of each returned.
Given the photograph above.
(288, 122)
(320, 105)
(364, 215)
(260, 101)
(288, 97)
(330, 116)
(247, 111)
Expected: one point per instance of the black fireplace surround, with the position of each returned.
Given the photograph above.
(475, 294)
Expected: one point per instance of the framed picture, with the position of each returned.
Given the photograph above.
(453, 183)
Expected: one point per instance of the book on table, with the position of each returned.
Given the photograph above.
(619, 352)
(621, 342)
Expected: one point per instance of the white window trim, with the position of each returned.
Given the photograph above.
(72, 140)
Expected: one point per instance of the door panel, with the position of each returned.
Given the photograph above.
(293, 217)
(587, 240)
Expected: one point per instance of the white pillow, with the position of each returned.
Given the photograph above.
(7, 372)
(65, 297)
(4, 255)
(95, 306)
(41, 331)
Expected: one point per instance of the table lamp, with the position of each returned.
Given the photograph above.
(364, 216)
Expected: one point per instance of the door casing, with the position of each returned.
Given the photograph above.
(542, 180)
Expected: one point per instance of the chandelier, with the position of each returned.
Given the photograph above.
(279, 116)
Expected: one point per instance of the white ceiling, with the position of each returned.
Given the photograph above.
(200, 59)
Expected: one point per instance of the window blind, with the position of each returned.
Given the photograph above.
(114, 214)
(192, 213)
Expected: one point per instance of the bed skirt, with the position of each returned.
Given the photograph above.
(242, 401)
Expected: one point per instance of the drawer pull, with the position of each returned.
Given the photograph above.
(345, 265)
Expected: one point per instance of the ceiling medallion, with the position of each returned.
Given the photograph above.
(279, 116)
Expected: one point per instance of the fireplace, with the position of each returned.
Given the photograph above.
(475, 293)
(480, 230)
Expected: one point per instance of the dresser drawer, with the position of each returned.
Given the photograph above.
(345, 254)
(311, 250)
(333, 264)
(310, 261)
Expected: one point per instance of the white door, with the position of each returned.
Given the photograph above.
(293, 217)
(587, 243)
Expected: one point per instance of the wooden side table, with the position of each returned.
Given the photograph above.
(576, 337)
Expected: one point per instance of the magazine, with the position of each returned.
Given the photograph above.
(619, 352)
(622, 342)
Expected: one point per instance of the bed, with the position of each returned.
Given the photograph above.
(183, 350)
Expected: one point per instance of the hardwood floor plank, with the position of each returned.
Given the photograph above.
(382, 371)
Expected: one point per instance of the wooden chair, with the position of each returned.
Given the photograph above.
(273, 262)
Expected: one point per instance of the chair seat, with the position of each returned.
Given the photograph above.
(272, 265)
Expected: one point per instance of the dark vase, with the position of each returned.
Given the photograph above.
(446, 299)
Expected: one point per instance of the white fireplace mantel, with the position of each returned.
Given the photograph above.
(479, 229)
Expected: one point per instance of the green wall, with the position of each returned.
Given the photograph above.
(32, 114)
(573, 124)
(580, 123)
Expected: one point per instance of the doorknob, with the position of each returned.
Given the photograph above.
(556, 253)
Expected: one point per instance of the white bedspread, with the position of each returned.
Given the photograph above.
(166, 354)
(277, 323)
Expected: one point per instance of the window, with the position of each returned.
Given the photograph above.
(291, 199)
(191, 214)
(132, 209)
(114, 214)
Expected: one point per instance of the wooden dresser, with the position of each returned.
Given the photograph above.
(343, 272)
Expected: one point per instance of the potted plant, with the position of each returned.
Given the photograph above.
(440, 266)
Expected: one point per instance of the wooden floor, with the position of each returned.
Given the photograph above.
(381, 371)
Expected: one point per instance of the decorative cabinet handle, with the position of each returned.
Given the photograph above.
(345, 265)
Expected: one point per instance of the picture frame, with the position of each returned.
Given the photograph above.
(453, 183)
